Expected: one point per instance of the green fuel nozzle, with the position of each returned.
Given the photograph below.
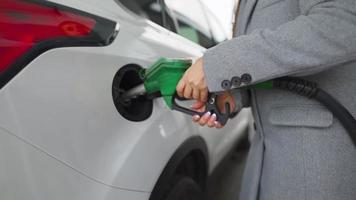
(162, 77)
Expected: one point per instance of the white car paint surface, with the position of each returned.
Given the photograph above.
(61, 136)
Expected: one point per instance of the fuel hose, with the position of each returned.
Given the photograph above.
(310, 89)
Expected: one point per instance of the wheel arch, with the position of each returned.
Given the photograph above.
(193, 149)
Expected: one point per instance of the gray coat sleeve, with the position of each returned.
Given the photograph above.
(323, 37)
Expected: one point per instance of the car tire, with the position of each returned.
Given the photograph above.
(184, 188)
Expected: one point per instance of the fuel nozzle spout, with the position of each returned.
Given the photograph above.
(133, 93)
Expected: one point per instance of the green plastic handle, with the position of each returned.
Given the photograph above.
(164, 75)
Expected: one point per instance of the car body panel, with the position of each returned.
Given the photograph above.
(31, 173)
(58, 121)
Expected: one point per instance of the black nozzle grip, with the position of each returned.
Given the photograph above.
(211, 106)
(182, 109)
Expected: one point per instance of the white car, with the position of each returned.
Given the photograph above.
(64, 133)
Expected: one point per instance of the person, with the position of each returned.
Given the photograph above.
(300, 150)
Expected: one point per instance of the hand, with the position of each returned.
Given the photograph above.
(210, 119)
(192, 85)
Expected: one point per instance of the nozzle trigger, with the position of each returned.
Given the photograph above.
(210, 106)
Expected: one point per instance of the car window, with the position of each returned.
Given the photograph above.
(152, 10)
(188, 21)
(195, 21)
(193, 34)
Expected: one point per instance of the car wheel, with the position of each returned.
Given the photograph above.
(184, 188)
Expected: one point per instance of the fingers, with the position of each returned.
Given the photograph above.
(180, 87)
(196, 118)
(190, 91)
(204, 119)
(207, 119)
(203, 95)
(187, 92)
(193, 84)
(196, 94)
(198, 105)
(184, 90)
(211, 121)
(218, 125)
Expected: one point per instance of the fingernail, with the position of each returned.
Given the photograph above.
(207, 114)
(216, 123)
(214, 115)
(196, 117)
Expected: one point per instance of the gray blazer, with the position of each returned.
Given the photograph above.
(301, 150)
